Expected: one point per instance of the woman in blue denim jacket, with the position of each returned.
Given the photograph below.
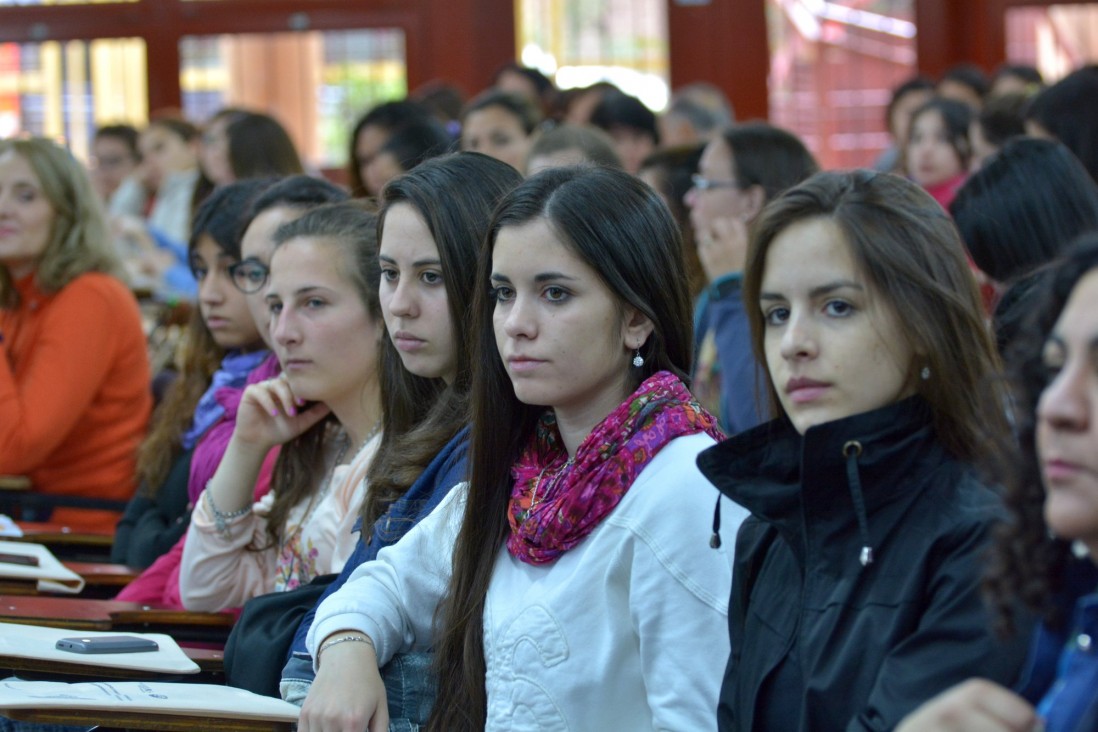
(1046, 557)
(432, 222)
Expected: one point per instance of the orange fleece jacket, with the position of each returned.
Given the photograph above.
(74, 392)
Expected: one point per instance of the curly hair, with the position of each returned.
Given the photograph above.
(1027, 562)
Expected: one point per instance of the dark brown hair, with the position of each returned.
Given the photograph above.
(259, 146)
(632, 242)
(767, 156)
(454, 195)
(221, 217)
(350, 229)
(911, 255)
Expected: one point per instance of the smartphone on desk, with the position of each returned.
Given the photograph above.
(107, 644)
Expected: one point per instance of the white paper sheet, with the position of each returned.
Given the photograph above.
(29, 641)
(9, 527)
(52, 576)
(146, 697)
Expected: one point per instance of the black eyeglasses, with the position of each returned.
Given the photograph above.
(249, 275)
(704, 184)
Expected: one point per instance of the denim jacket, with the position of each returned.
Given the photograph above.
(1061, 675)
(409, 688)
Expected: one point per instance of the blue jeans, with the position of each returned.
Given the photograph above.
(409, 688)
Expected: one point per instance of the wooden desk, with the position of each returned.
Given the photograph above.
(104, 574)
(61, 535)
(62, 612)
(210, 661)
(183, 625)
(129, 720)
(81, 614)
(101, 580)
(65, 543)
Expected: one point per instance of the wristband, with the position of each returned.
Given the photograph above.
(343, 639)
(221, 520)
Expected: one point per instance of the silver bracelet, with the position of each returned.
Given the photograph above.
(221, 520)
(343, 639)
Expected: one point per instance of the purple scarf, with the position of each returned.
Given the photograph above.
(234, 369)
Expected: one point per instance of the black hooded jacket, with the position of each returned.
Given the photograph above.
(856, 588)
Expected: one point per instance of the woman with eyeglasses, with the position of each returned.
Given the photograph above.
(324, 410)
(223, 345)
(281, 202)
(739, 172)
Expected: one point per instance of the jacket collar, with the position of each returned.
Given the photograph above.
(777, 474)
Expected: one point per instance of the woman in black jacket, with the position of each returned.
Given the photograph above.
(856, 587)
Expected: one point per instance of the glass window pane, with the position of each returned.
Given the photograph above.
(580, 42)
(833, 66)
(66, 90)
(1057, 39)
(315, 83)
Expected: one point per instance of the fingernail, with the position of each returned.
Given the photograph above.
(274, 412)
(300, 401)
(292, 412)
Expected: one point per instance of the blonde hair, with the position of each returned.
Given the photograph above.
(79, 239)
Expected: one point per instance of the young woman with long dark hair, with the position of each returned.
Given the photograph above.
(580, 543)
(433, 222)
(856, 592)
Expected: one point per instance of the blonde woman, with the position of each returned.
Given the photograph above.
(74, 375)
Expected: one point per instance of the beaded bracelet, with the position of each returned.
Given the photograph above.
(342, 639)
(221, 520)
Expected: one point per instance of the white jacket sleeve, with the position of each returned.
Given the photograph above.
(393, 598)
(679, 589)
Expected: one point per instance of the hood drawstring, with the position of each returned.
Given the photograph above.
(851, 451)
(715, 539)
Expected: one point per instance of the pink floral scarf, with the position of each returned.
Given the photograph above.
(556, 501)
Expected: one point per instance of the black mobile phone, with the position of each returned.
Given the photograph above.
(107, 644)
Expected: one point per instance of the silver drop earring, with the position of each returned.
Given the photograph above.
(925, 373)
(638, 359)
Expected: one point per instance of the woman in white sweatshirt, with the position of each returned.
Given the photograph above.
(572, 585)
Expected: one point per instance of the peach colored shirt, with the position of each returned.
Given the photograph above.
(219, 572)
